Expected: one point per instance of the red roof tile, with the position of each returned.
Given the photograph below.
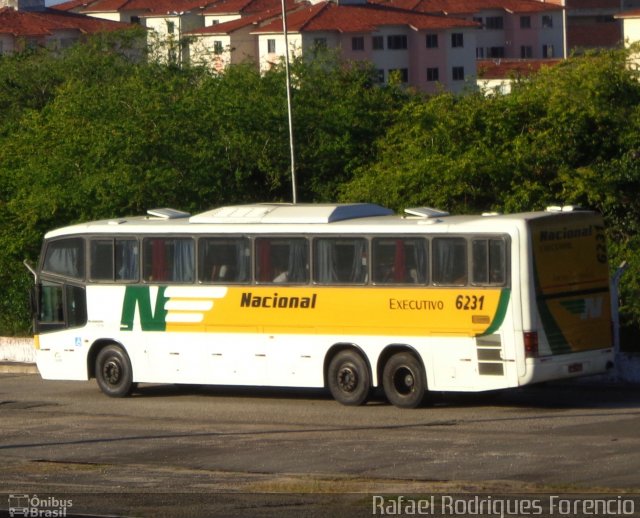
(70, 5)
(44, 23)
(595, 35)
(327, 16)
(244, 6)
(472, 6)
(593, 4)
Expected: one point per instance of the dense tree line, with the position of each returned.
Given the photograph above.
(92, 133)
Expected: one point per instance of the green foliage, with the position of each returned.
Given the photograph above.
(568, 135)
(100, 132)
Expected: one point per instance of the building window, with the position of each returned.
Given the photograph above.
(547, 21)
(457, 40)
(433, 74)
(496, 52)
(526, 52)
(479, 52)
(399, 74)
(357, 43)
(432, 41)
(397, 42)
(217, 47)
(525, 22)
(377, 42)
(320, 43)
(457, 73)
(478, 20)
(495, 22)
(271, 46)
(380, 75)
(547, 51)
(135, 20)
(171, 27)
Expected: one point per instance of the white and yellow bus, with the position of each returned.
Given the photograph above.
(350, 297)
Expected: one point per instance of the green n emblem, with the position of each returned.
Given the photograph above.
(149, 320)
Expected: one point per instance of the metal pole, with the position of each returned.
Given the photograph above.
(288, 74)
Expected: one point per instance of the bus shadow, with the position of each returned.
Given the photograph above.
(561, 395)
(555, 395)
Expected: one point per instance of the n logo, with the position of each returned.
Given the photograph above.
(586, 308)
(140, 297)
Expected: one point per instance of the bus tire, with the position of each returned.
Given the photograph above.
(404, 381)
(113, 371)
(348, 378)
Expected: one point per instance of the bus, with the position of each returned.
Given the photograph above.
(348, 297)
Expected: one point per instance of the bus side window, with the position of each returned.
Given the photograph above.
(65, 257)
(168, 259)
(399, 260)
(340, 260)
(449, 261)
(282, 260)
(224, 260)
(489, 261)
(104, 254)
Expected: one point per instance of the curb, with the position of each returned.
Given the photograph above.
(18, 368)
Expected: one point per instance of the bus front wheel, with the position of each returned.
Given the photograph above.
(113, 371)
(404, 381)
(348, 378)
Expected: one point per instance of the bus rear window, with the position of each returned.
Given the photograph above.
(65, 257)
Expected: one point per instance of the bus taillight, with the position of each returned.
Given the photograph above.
(530, 344)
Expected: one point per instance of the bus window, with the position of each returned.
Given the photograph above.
(449, 261)
(65, 257)
(104, 254)
(340, 261)
(51, 306)
(399, 261)
(223, 260)
(168, 259)
(282, 260)
(489, 261)
(61, 306)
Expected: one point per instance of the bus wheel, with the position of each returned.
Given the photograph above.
(113, 372)
(348, 378)
(404, 381)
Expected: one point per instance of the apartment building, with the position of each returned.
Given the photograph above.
(425, 44)
(28, 23)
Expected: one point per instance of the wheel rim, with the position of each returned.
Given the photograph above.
(347, 379)
(404, 381)
(112, 371)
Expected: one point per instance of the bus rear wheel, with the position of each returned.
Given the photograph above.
(404, 380)
(348, 378)
(113, 371)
